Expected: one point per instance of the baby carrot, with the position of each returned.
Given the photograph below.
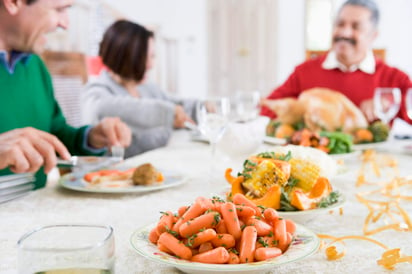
(182, 210)
(166, 222)
(205, 221)
(221, 227)
(279, 230)
(271, 215)
(266, 241)
(205, 202)
(219, 255)
(225, 240)
(265, 253)
(201, 237)
(248, 244)
(153, 235)
(231, 220)
(240, 199)
(233, 258)
(205, 247)
(195, 210)
(262, 228)
(290, 226)
(163, 248)
(283, 246)
(173, 244)
(245, 211)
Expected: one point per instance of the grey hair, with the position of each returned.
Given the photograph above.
(368, 4)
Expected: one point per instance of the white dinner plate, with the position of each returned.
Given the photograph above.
(303, 216)
(75, 181)
(274, 141)
(304, 244)
(347, 155)
(375, 145)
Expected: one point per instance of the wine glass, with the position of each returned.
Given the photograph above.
(408, 103)
(386, 103)
(212, 120)
(247, 104)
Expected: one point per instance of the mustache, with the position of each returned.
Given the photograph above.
(349, 40)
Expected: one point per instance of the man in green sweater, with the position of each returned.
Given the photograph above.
(33, 130)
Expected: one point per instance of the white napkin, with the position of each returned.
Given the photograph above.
(401, 129)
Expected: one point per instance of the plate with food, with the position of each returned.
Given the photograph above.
(140, 179)
(208, 237)
(290, 179)
(324, 119)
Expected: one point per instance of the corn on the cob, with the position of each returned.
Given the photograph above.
(305, 172)
(262, 178)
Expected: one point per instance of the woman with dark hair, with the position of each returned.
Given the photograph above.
(127, 51)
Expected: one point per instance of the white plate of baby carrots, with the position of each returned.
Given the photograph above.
(215, 236)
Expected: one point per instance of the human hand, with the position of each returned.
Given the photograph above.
(181, 117)
(111, 131)
(368, 110)
(27, 149)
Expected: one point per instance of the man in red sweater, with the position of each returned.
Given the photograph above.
(349, 67)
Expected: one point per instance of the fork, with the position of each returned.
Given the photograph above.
(117, 152)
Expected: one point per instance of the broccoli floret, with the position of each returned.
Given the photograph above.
(379, 130)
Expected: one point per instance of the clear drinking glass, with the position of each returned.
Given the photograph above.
(64, 249)
(212, 118)
(408, 103)
(247, 104)
(386, 103)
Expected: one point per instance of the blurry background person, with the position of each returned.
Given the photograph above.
(122, 90)
(350, 66)
(33, 128)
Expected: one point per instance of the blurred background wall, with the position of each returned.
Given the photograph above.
(219, 46)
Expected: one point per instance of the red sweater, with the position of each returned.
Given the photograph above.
(357, 86)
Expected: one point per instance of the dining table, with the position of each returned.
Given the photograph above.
(127, 212)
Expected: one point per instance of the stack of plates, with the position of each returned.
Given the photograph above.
(15, 185)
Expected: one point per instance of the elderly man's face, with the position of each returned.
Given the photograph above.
(353, 34)
(36, 20)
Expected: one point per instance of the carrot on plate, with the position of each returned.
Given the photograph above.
(265, 253)
(221, 227)
(271, 215)
(205, 247)
(175, 245)
(240, 199)
(233, 257)
(279, 230)
(262, 228)
(219, 255)
(245, 211)
(290, 226)
(231, 219)
(201, 237)
(195, 210)
(248, 245)
(225, 240)
(205, 221)
(166, 222)
(153, 235)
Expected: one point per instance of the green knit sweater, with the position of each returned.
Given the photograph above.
(27, 100)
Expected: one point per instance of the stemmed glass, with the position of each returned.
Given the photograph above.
(212, 119)
(386, 103)
(408, 103)
(247, 104)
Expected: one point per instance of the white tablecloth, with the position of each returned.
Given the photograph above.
(126, 212)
